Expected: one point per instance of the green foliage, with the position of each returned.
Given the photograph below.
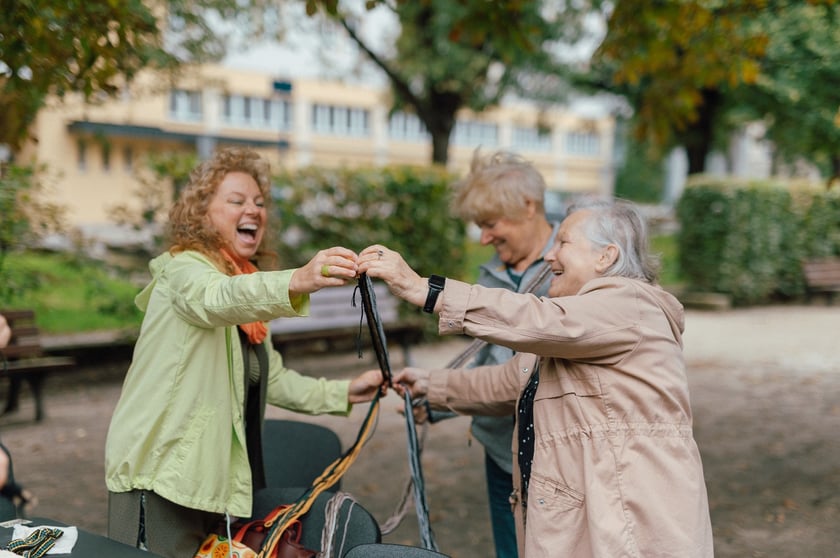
(684, 65)
(57, 47)
(404, 208)
(641, 178)
(477, 254)
(468, 54)
(667, 248)
(24, 215)
(68, 293)
(747, 240)
(797, 95)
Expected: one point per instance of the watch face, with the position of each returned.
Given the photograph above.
(437, 281)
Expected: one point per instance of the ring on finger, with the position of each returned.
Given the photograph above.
(380, 252)
(325, 270)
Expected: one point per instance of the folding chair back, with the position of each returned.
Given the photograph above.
(295, 453)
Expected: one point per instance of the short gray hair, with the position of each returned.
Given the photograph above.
(620, 223)
(498, 185)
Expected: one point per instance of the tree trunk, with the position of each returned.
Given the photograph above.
(439, 118)
(700, 134)
(440, 147)
(835, 172)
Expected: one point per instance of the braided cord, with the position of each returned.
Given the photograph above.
(332, 473)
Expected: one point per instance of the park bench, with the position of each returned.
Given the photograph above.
(24, 359)
(335, 324)
(822, 276)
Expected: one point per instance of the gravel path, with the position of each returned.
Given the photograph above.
(764, 382)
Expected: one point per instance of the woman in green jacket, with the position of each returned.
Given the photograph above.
(183, 448)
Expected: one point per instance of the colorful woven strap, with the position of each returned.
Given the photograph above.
(37, 544)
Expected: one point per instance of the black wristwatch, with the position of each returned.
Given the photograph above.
(436, 283)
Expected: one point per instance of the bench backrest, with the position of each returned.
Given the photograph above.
(823, 272)
(332, 308)
(26, 338)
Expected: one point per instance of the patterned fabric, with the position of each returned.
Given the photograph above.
(35, 545)
(526, 432)
(256, 331)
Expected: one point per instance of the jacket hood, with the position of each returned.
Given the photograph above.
(671, 307)
(155, 267)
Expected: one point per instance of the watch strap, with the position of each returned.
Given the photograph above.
(436, 284)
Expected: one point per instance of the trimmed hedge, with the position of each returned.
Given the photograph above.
(404, 208)
(747, 240)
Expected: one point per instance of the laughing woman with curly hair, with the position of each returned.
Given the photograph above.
(184, 444)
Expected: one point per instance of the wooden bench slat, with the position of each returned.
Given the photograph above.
(42, 363)
(333, 318)
(15, 352)
(822, 275)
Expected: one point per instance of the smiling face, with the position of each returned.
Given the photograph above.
(518, 242)
(237, 212)
(509, 238)
(573, 259)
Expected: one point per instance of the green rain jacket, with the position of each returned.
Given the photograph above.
(178, 427)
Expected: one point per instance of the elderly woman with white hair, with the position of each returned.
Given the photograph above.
(604, 453)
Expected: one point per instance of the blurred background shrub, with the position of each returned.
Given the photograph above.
(748, 240)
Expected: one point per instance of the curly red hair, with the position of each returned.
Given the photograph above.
(190, 229)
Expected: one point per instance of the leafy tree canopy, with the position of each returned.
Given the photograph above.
(796, 93)
(452, 55)
(55, 47)
(679, 61)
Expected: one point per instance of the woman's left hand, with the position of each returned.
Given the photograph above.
(332, 267)
(364, 386)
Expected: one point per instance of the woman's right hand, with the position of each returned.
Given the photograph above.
(332, 267)
(415, 380)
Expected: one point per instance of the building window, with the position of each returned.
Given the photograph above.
(81, 155)
(341, 121)
(530, 139)
(185, 105)
(407, 127)
(128, 158)
(256, 112)
(586, 144)
(475, 133)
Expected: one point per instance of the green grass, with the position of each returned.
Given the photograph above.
(68, 293)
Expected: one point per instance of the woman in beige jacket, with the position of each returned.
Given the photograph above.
(605, 463)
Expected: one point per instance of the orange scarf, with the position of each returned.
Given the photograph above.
(256, 331)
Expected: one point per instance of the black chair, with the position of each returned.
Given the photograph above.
(295, 453)
(87, 545)
(354, 526)
(391, 551)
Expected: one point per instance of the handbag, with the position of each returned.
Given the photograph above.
(249, 537)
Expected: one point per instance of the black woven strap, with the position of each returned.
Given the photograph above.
(380, 346)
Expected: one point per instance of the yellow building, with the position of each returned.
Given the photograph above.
(96, 150)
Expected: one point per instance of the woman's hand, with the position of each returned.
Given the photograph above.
(415, 380)
(364, 386)
(332, 267)
(5, 333)
(381, 263)
(4, 468)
